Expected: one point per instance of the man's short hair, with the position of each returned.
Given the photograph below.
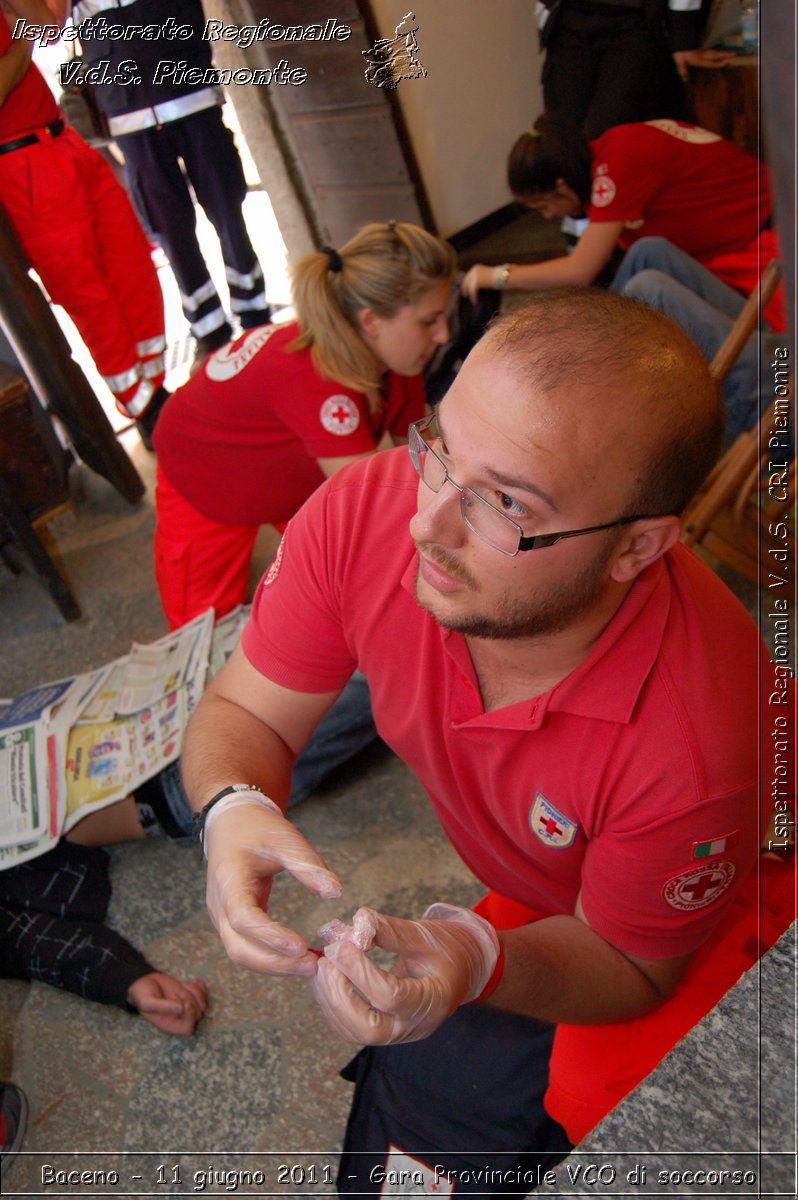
(632, 355)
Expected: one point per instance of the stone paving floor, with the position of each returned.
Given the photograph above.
(261, 1072)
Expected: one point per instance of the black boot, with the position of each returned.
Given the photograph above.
(212, 341)
(146, 422)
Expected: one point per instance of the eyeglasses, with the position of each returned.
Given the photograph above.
(489, 523)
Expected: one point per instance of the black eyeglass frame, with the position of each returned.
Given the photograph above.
(537, 541)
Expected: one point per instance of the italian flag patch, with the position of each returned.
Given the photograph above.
(717, 845)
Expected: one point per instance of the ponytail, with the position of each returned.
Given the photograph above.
(383, 267)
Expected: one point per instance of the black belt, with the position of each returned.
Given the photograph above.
(53, 129)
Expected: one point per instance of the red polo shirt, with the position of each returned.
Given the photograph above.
(633, 780)
(240, 441)
(673, 180)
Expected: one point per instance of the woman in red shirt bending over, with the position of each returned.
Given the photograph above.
(663, 179)
(269, 416)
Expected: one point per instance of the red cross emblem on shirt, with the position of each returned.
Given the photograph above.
(603, 191)
(549, 825)
(698, 887)
(339, 415)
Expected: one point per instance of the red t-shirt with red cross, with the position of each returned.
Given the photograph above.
(633, 781)
(673, 180)
(240, 440)
(31, 104)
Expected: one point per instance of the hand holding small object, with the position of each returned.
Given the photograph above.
(444, 960)
(247, 844)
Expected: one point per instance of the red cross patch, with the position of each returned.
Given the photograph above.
(603, 191)
(699, 886)
(550, 825)
(340, 415)
(273, 570)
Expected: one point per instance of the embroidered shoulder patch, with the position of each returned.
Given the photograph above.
(699, 886)
(274, 568)
(340, 415)
(718, 845)
(551, 826)
(603, 188)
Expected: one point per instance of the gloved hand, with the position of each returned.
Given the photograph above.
(442, 961)
(246, 846)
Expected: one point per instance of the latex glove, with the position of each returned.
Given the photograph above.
(168, 1004)
(705, 59)
(475, 279)
(246, 846)
(442, 961)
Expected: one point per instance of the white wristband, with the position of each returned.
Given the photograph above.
(236, 798)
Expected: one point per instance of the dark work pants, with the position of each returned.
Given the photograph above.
(160, 189)
(605, 66)
(467, 1100)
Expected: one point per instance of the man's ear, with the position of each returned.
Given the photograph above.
(643, 543)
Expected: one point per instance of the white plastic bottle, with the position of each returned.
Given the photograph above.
(749, 19)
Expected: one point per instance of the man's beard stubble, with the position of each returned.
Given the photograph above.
(518, 616)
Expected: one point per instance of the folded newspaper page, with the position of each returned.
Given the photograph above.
(73, 746)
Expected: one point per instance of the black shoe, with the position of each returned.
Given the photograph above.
(146, 422)
(254, 320)
(206, 345)
(13, 1120)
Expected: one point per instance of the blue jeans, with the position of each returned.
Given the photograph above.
(345, 730)
(664, 277)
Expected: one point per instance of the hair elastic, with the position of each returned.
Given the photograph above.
(392, 226)
(533, 133)
(334, 261)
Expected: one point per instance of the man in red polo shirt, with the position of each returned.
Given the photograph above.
(556, 668)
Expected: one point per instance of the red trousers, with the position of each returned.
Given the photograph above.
(592, 1067)
(79, 232)
(199, 563)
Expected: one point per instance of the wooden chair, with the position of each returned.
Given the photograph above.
(736, 514)
(33, 486)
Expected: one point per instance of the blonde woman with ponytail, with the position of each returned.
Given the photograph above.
(269, 416)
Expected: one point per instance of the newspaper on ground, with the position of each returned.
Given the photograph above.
(76, 745)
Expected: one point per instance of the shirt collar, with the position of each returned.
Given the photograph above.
(608, 682)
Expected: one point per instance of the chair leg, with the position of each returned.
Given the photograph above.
(25, 534)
